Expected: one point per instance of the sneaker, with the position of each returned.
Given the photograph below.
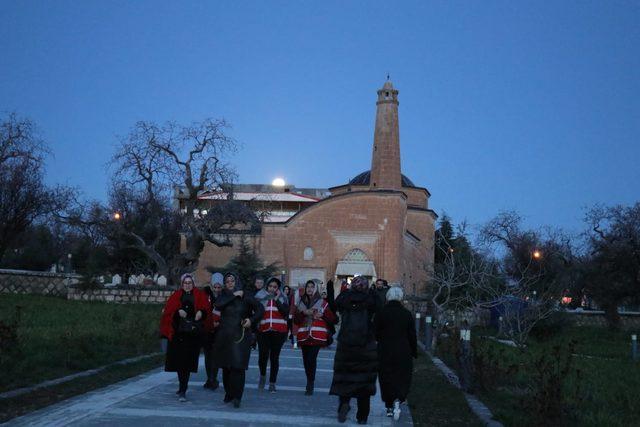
(182, 397)
(272, 388)
(261, 382)
(295, 345)
(342, 412)
(236, 403)
(396, 410)
(389, 412)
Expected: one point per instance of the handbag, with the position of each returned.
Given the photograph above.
(189, 327)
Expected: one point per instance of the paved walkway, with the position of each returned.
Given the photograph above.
(150, 399)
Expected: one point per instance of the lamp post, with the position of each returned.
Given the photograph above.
(69, 256)
(428, 337)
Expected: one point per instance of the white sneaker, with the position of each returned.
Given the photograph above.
(396, 410)
(295, 345)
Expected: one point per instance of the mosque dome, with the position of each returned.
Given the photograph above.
(364, 178)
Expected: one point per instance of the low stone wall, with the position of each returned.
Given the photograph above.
(628, 320)
(120, 295)
(36, 282)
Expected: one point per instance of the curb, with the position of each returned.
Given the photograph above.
(24, 390)
(477, 407)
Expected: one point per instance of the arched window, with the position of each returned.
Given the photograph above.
(356, 255)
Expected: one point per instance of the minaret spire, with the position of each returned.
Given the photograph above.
(385, 161)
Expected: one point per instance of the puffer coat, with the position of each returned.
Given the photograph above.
(355, 366)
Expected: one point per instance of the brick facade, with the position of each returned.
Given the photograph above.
(390, 223)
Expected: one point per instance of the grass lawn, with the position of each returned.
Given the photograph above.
(434, 401)
(56, 337)
(20, 405)
(599, 390)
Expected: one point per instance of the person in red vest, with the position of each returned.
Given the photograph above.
(314, 319)
(272, 331)
(181, 324)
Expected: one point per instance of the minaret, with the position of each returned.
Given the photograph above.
(385, 162)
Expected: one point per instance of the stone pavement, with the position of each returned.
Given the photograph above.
(150, 399)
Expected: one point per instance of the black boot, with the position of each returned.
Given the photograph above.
(309, 390)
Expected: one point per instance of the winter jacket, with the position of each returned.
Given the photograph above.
(182, 349)
(396, 335)
(232, 347)
(356, 361)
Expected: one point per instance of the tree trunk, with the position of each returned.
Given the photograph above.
(612, 315)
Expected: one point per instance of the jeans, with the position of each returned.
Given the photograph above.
(310, 360)
(269, 346)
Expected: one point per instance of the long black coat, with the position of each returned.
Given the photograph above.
(355, 366)
(396, 334)
(227, 352)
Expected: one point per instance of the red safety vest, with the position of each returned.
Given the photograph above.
(317, 331)
(272, 320)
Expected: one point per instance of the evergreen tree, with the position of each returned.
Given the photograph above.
(248, 265)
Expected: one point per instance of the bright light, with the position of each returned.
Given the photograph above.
(117, 216)
(278, 182)
(537, 254)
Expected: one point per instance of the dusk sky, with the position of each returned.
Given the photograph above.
(532, 106)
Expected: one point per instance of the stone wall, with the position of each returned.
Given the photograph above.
(36, 282)
(628, 320)
(120, 295)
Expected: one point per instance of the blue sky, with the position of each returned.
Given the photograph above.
(532, 106)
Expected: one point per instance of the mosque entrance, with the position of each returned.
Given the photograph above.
(355, 263)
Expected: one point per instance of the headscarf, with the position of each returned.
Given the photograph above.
(263, 296)
(314, 298)
(217, 278)
(360, 283)
(187, 276)
(237, 286)
(395, 293)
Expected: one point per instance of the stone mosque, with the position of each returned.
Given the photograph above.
(378, 224)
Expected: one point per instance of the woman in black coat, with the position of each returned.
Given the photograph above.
(396, 335)
(239, 314)
(355, 366)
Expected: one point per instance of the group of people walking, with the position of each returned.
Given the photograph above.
(375, 340)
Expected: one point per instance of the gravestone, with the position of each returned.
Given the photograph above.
(161, 281)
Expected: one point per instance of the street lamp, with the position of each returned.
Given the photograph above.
(117, 216)
(537, 254)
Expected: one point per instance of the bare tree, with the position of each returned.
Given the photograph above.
(535, 269)
(612, 265)
(524, 284)
(24, 198)
(159, 174)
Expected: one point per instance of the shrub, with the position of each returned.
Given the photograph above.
(555, 324)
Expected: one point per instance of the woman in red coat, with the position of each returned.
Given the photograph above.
(181, 324)
(315, 320)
